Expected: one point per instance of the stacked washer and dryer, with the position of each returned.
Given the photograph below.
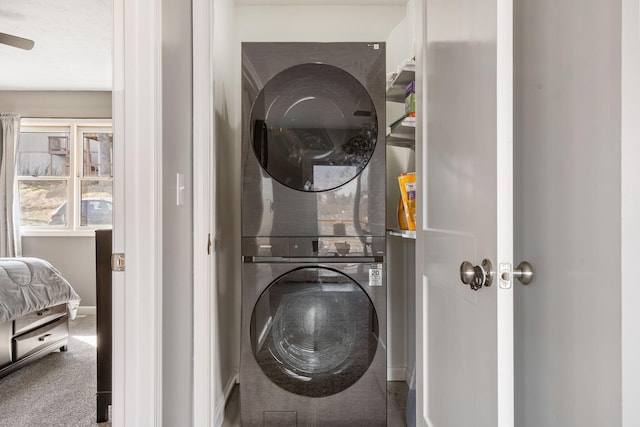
(313, 348)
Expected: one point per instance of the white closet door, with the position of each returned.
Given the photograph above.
(465, 182)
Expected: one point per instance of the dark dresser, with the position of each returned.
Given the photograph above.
(103, 322)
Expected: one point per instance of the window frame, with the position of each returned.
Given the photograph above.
(76, 129)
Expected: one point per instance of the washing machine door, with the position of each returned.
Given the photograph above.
(313, 127)
(314, 332)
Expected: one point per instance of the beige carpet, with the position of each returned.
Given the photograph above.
(57, 390)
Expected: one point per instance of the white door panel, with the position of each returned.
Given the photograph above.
(464, 147)
(441, 259)
(459, 393)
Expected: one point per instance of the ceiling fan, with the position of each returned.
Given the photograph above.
(16, 41)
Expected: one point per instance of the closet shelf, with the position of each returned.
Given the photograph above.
(406, 234)
(402, 133)
(398, 81)
(397, 141)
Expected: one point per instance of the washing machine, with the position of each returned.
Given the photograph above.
(313, 345)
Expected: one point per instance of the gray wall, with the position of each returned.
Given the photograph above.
(177, 229)
(57, 104)
(567, 201)
(74, 256)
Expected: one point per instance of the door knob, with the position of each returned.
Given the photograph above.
(523, 272)
(467, 272)
(476, 276)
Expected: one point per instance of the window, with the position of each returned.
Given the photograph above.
(64, 174)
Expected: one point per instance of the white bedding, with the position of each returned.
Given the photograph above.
(31, 284)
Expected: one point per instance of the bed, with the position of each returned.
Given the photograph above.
(36, 304)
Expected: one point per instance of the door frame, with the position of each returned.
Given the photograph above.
(630, 210)
(137, 219)
(208, 403)
(421, 291)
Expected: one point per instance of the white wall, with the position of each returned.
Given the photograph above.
(344, 23)
(567, 212)
(316, 23)
(177, 229)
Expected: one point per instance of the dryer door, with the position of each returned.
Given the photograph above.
(314, 332)
(313, 127)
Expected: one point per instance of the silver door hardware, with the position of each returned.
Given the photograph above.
(523, 272)
(117, 262)
(477, 276)
(505, 275)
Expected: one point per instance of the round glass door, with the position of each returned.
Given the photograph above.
(314, 332)
(313, 127)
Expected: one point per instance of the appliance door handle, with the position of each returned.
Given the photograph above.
(261, 142)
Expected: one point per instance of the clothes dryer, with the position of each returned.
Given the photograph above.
(313, 152)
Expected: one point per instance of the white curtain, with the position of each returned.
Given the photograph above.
(10, 242)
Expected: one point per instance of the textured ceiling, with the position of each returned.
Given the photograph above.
(72, 45)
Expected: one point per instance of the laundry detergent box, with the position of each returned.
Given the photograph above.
(407, 183)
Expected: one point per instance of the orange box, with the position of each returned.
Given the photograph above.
(407, 183)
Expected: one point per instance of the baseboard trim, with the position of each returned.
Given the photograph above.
(226, 392)
(87, 310)
(397, 373)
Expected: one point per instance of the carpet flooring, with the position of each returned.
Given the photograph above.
(59, 389)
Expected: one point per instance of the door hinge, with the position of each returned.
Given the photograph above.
(117, 262)
(209, 244)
